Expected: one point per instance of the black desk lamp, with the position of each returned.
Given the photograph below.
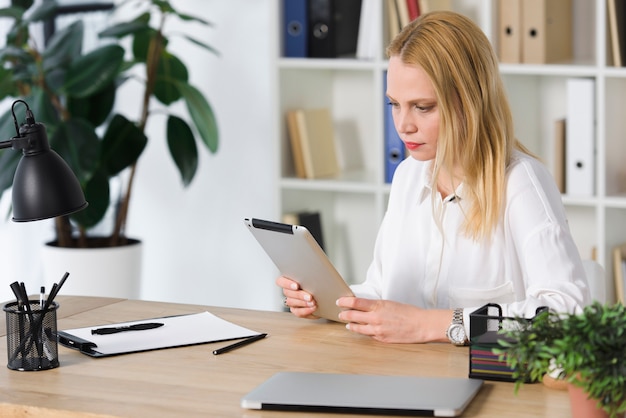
(44, 186)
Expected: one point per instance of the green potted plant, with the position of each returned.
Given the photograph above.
(74, 94)
(588, 350)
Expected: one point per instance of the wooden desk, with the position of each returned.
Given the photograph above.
(191, 381)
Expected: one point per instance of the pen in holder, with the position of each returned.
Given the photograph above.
(32, 336)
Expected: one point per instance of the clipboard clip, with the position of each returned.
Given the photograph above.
(75, 342)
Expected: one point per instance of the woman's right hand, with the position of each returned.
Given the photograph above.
(302, 304)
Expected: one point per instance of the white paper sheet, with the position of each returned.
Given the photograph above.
(177, 331)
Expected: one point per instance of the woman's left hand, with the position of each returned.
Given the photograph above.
(394, 322)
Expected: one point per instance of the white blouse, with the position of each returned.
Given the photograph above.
(422, 258)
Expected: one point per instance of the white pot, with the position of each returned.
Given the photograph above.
(110, 271)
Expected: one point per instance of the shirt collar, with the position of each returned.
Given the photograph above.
(426, 185)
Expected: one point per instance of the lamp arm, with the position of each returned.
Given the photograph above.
(17, 143)
(21, 142)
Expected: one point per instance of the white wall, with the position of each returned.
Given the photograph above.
(196, 247)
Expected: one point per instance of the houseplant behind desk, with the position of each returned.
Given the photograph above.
(589, 348)
(73, 94)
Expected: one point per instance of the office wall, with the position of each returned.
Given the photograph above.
(196, 248)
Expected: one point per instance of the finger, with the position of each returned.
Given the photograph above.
(287, 283)
(360, 328)
(298, 294)
(304, 312)
(299, 299)
(352, 316)
(359, 304)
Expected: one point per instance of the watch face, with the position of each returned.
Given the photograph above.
(457, 334)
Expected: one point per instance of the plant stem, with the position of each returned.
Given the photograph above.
(152, 61)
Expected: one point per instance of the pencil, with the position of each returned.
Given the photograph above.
(239, 344)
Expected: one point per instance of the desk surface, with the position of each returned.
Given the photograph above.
(191, 381)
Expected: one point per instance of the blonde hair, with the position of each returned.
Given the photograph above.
(476, 125)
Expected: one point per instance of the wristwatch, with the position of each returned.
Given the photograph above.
(456, 331)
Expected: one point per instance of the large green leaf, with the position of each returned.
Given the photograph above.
(123, 29)
(170, 68)
(12, 12)
(141, 43)
(97, 193)
(64, 46)
(24, 4)
(7, 86)
(92, 72)
(8, 157)
(201, 113)
(122, 145)
(8, 161)
(182, 145)
(76, 142)
(46, 10)
(43, 109)
(13, 53)
(95, 108)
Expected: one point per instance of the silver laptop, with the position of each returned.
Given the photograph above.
(363, 394)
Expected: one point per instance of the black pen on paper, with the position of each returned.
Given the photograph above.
(239, 344)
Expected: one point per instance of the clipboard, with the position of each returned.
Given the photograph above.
(177, 331)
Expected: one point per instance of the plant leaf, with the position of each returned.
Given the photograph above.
(64, 46)
(97, 193)
(122, 145)
(182, 146)
(76, 142)
(43, 109)
(121, 30)
(170, 68)
(94, 71)
(189, 18)
(202, 45)
(201, 113)
(13, 11)
(95, 108)
(46, 10)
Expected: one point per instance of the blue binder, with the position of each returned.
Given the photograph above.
(394, 147)
(295, 28)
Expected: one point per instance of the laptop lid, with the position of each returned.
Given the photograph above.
(364, 394)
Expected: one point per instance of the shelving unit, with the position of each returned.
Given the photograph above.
(353, 205)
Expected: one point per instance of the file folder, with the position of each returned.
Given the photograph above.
(580, 138)
(510, 31)
(333, 28)
(394, 147)
(546, 31)
(295, 24)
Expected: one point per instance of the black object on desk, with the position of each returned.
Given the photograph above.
(135, 327)
(231, 347)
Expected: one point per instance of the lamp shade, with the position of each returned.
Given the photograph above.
(45, 187)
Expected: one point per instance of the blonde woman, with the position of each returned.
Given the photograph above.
(473, 217)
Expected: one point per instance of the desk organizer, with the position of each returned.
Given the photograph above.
(485, 323)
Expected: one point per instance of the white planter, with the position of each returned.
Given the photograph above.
(111, 271)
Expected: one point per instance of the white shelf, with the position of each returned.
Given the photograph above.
(352, 89)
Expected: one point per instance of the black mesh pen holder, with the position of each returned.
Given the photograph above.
(486, 323)
(31, 336)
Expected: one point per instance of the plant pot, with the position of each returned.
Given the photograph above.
(582, 405)
(104, 271)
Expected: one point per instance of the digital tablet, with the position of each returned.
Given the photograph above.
(298, 256)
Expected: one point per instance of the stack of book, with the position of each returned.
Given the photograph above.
(312, 138)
